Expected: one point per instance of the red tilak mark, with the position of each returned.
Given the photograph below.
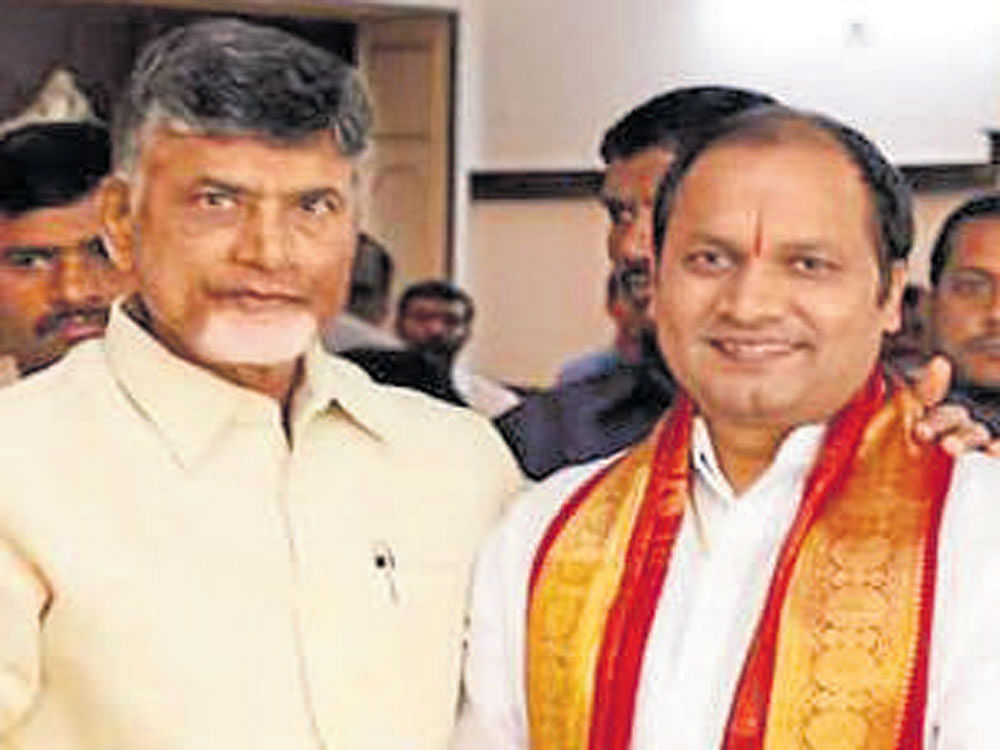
(758, 239)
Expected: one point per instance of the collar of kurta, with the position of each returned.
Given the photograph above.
(190, 405)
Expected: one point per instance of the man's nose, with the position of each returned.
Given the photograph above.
(993, 307)
(753, 293)
(632, 243)
(437, 326)
(265, 241)
(76, 282)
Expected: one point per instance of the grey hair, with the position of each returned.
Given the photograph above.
(226, 76)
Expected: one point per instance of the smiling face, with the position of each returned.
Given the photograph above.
(767, 300)
(966, 313)
(56, 282)
(241, 246)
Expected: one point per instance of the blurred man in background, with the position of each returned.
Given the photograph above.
(56, 279)
(965, 273)
(434, 319)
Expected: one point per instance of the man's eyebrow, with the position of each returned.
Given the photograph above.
(321, 191)
(807, 245)
(976, 270)
(714, 240)
(216, 183)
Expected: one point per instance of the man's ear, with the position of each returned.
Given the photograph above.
(894, 297)
(118, 223)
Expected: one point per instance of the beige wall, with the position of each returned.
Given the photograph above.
(538, 274)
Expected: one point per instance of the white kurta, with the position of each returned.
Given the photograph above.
(712, 598)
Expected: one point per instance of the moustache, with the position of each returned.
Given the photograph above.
(258, 288)
(88, 315)
(989, 343)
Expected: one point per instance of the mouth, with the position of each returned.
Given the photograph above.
(258, 299)
(75, 325)
(753, 350)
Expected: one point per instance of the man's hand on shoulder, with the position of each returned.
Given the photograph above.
(949, 424)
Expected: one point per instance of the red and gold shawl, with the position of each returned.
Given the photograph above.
(839, 657)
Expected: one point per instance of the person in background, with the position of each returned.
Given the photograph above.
(908, 349)
(213, 534)
(434, 319)
(361, 324)
(779, 564)
(630, 321)
(56, 279)
(965, 275)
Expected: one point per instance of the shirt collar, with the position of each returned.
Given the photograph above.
(190, 405)
(795, 454)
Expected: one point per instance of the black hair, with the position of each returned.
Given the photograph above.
(889, 193)
(51, 164)
(984, 206)
(673, 118)
(230, 76)
(435, 289)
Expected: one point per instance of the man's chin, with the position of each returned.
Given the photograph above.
(239, 340)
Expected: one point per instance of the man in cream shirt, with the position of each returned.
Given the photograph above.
(779, 564)
(212, 534)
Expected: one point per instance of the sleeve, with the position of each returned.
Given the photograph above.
(23, 598)
(967, 617)
(971, 703)
(491, 713)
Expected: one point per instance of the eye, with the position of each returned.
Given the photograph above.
(973, 286)
(619, 212)
(29, 258)
(320, 203)
(216, 199)
(95, 248)
(708, 261)
(811, 264)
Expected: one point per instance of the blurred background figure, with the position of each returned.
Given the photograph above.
(433, 324)
(965, 274)
(361, 324)
(434, 319)
(630, 321)
(908, 349)
(56, 279)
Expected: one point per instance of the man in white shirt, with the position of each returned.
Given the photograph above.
(779, 564)
(213, 534)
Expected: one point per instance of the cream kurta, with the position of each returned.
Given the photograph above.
(172, 575)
